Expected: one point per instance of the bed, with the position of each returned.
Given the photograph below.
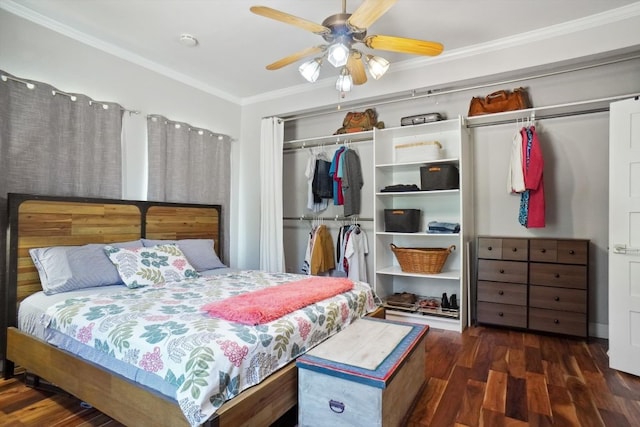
(40, 221)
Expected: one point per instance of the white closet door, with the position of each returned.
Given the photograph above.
(624, 236)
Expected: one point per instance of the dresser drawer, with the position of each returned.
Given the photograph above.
(502, 271)
(502, 314)
(502, 292)
(559, 322)
(515, 249)
(562, 299)
(501, 248)
(490, 248)
(560, 251)
(565, 276)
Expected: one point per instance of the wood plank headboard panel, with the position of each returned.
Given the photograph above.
(177, 222)
(44, 223)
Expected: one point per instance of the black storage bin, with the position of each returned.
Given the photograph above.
(439, 177)
(402, 220)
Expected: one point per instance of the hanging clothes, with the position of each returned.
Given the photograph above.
(515, 179)
(322, 255)
(352, 182)
(335, 172)
(533, 178)
(310, 171)
(355, 251)
(532, 203)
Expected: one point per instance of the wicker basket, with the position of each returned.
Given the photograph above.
(422, 260)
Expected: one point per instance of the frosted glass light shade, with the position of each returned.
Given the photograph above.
(344, 82)
(377, 66)
(338, 54)
(310, 70)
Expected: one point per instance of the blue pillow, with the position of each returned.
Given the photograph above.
(67, 268)
(199, 252)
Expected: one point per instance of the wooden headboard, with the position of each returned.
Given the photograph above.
(43, 221)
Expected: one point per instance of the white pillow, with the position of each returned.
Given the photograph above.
(67, 268)
(150, 265)
(199, 252)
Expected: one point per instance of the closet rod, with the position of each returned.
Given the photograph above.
(541, 117)
(435, 92)
(326, 218)
(300, 143)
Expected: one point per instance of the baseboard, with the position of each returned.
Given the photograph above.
(599, 330)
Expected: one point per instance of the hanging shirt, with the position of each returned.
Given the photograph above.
(533, 178)
(322, 255)
(310, 173)
(355, 251)
(352, 182)
(338, 198)
(515, 179)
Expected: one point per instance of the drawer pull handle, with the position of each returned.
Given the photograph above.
(335, 406)
(557, 275)
(490, 248)
(515, 249)
(556, 299)
(572, 252)
(500, 314)
(501, 271)
(543, 251)
(500, 292)
(556, 321)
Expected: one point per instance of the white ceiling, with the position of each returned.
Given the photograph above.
(235, 45)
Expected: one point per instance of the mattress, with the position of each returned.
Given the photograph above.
(158, 337)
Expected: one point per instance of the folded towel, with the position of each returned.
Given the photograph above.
(443, 227)
(265, 305)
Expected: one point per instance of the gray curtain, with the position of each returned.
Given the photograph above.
(55, 143)
(189, 165)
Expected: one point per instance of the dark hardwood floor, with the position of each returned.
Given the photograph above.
(483, 377)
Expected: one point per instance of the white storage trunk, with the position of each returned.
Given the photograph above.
(417, 152)
(367, 375)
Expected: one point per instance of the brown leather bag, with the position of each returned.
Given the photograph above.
(360, 121)
(498, 102)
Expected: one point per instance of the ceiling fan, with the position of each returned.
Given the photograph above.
(341, 32)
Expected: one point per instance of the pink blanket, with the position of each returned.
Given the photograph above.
(268, 304)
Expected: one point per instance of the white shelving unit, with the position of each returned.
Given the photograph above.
(444, 205)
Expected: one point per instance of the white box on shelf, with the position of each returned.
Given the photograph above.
(417, 152)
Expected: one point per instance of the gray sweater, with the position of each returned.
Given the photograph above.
(351, 182)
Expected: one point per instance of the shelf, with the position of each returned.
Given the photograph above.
(413, 165)
(448, 125)
(417, 193)
(549, 111)
(396, 271)
(420, 234)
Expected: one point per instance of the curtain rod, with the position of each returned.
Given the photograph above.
(54, 92)
(434, 92)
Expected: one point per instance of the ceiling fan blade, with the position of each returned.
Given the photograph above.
(295, 57)
(403, 45)
(368, 13)
(268, 12)
(356, 68)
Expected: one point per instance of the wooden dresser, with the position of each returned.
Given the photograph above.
(536, 284)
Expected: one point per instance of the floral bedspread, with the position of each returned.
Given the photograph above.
(161, 329)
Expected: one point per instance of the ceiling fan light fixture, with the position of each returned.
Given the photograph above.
(344, 82)
(338, 54)
(377, 66)
(310, 70)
